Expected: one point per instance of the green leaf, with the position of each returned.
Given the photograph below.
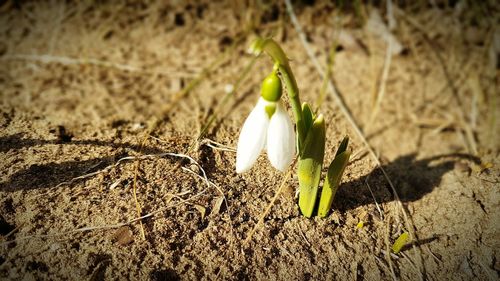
(332, 181)
(308, 116)
(309, 167)
(342, 146)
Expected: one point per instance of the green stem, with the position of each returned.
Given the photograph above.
(276, 53)
(293, 94)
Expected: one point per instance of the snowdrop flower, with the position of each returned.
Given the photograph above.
(267, 126)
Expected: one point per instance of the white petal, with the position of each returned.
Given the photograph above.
(280, 139)
(252, 137)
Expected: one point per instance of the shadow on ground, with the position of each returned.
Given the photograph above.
(51, 174)
(412, 178)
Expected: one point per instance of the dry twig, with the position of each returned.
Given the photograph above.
(47, 59)
(374, 199)
(383, 82)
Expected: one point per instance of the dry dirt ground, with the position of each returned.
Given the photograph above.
(81, 83)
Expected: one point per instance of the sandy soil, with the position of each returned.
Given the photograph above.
(81, 84)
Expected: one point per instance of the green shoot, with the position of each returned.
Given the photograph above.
(309, 169)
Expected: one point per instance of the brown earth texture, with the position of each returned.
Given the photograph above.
(119, 123)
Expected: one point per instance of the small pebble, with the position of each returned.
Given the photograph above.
(194, 168)
(137, 127)
(228, 88)
(55, 247)
(123, 236)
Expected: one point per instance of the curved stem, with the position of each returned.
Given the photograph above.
(293, 94)
(273, 49)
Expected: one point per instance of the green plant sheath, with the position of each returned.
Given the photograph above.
(308, 116)
(332, 181)
(309, 167)
(333, 177)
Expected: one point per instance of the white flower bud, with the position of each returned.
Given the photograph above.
(263, 130)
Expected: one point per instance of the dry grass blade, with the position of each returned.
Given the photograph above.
(374, 199)
(47, 59)
(97, 172)
(394, 256)
(129, 158)
(388, 251)
(331, 61)
(136, 202)
(217, 146)
(383, 82)
(382, 264)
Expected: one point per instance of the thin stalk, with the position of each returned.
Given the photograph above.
(272, 48)
(293, 94)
